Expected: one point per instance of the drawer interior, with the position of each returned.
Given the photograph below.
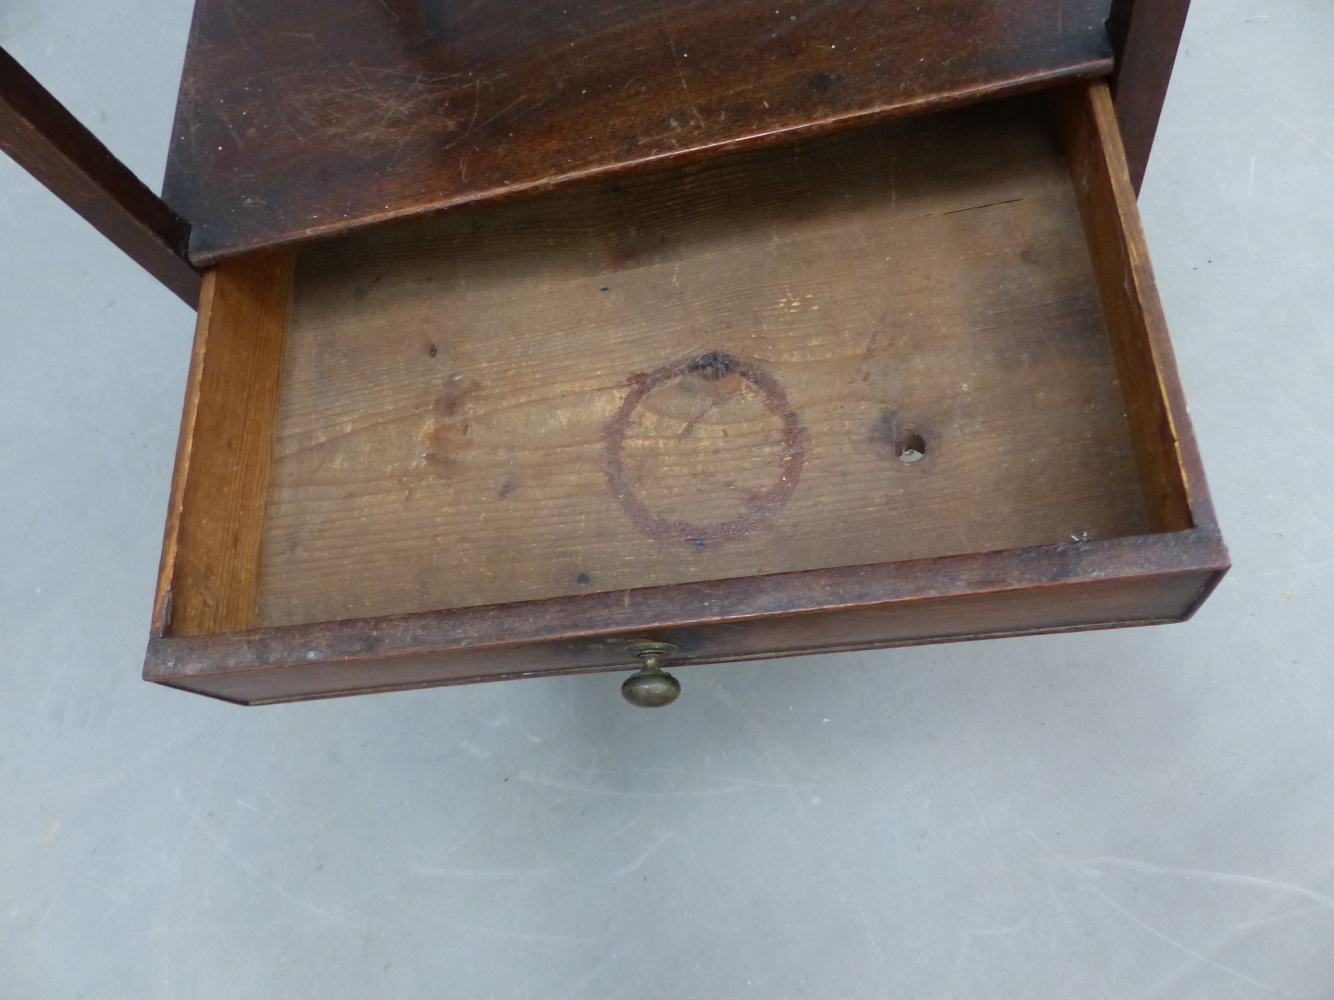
(877, 346)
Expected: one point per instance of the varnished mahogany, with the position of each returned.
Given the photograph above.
(313, 117)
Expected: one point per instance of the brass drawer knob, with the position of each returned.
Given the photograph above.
(651, 687)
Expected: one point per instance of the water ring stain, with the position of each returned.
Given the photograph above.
(761, 506)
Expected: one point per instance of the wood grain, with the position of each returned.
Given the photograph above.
(444, 437)
(50, 143)
(917, 230)
(1134, 314)
(1146, 34)
(311, 117)
(1126, 581)
(210, 564)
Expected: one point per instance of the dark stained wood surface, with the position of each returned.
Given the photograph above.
(50, 143)
(1127, 581)
(1146, 34)
(310, 117)
(209, 576)
(704, 374)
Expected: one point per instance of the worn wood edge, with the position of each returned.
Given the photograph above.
(209, 575)
(185, 684)
(184, 448)
(1145, 36)
(1189, 463)
(1206, 592)
(228, 685)
(46, 140)
(1176, 493)
(992, 90)
(684, 605)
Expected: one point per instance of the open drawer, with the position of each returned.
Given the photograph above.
(901, 384)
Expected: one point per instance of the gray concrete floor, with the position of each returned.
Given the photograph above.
(1141, 813)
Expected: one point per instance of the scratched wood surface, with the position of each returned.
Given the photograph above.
(305, 117)
(711, 373)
